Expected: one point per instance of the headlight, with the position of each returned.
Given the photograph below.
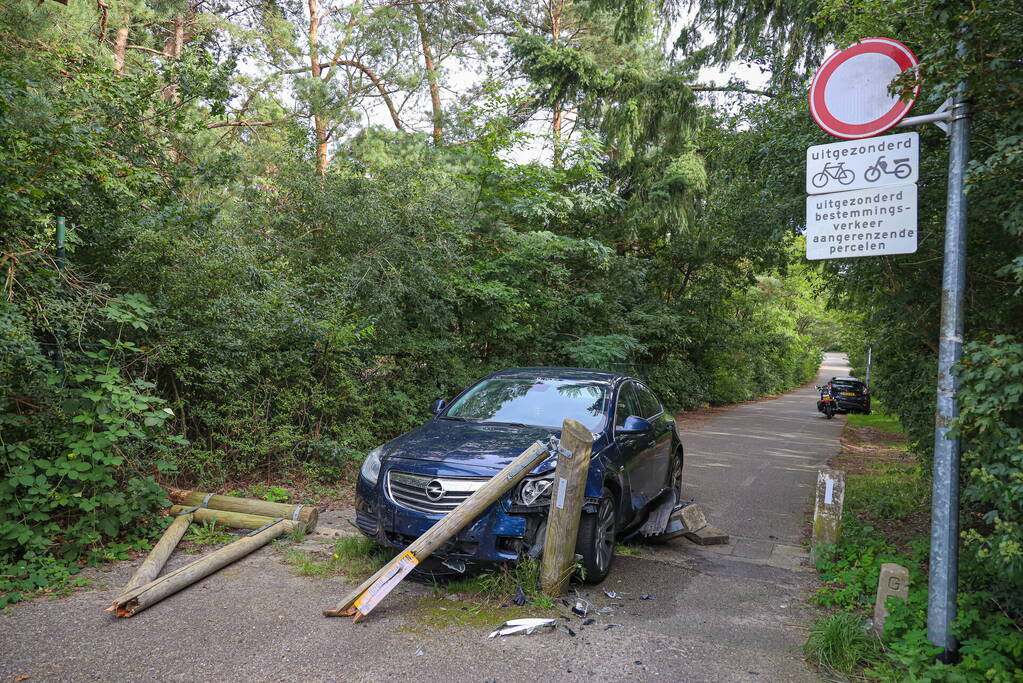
(371, 466)
(533, 490)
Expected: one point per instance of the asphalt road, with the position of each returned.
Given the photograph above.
(736, 612)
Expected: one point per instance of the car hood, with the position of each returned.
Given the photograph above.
(488, 446)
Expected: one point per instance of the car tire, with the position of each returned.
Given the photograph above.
(675, 475)
(596, 539)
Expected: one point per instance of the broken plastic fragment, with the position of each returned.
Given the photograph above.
(519, 599)
(645, 596)
(527, 626)
(612, 594)
(589, 621)
(611, 626)
(605, 610)
(562, 627)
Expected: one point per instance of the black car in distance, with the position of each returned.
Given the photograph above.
(850, 395)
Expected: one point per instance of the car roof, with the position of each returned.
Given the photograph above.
(561, 373)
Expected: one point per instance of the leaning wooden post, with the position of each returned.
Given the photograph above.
(158, 556)
(134, 601)
(566, 507)
(364, 598)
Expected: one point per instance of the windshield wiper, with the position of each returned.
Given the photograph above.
(511, 424)
(460, 419)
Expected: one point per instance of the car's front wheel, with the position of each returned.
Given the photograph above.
(596, 540)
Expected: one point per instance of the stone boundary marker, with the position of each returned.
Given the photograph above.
(892, 582)
(827, 513)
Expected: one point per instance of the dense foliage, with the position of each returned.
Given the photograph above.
(261, 285)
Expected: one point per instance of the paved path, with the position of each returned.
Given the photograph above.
(730, 613)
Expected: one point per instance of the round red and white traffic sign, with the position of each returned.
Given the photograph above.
(849, 93)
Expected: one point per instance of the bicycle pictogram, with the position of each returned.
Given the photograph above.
(838, 171)
(901, 170)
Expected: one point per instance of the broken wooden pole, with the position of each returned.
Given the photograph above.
(421, 548)
(134, 601)
(566, 507)
(232, 520)
(160, 553)
(306, 514)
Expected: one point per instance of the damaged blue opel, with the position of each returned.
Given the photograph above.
(408, 484)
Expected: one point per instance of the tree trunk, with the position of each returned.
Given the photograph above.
(319, 122)
(559, 145)
(172, 49)
(120, 45)
(431, 75)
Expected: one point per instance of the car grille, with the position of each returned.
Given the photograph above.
(413, 491)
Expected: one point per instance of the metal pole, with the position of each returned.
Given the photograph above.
(61, 233)
(866, 379)
(944, 566)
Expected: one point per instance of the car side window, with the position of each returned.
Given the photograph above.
(649, 405)
(627, 404)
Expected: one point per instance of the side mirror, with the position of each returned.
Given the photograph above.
(634, 425)
(438, 406)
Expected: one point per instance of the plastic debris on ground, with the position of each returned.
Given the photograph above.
(645, 596)
(606, 610)
(526, 626)
(519, 599)
(566, 629)
(612, 594)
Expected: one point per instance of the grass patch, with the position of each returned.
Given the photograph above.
(437, 613)
(879, 420)
(501, 583)
(840, 644)
(208, 534)
(353, 556)
(888, 491)
(628, 550)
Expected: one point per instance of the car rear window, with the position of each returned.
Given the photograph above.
(840, 385)
(540, 402)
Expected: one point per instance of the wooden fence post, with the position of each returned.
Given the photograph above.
(566, 507)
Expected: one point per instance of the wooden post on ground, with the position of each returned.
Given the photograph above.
(134, 601)
(566, 507)
(306, 514)
(233, 520)
(827, 513)
(158, 556)
(361, 600)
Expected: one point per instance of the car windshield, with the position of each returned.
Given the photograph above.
(530, 401)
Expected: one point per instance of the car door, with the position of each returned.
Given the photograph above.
(656, 457)
(630, 451)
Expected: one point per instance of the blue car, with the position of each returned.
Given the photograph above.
(412, 481)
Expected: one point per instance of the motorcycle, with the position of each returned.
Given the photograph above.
(827, 403)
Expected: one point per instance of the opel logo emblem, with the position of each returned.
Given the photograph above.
(435, 490)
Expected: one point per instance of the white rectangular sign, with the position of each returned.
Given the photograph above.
(871, 222)
(859, 164)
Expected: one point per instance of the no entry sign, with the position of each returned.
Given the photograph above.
(849, 94)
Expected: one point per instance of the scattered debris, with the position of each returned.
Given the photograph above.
(612, 594)
(611, 626)
(589, 621)
(645, 596)
(566, 629)
(519, 599)
(526, 626)
(454, 565)
(581, 608)
(606, 610)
